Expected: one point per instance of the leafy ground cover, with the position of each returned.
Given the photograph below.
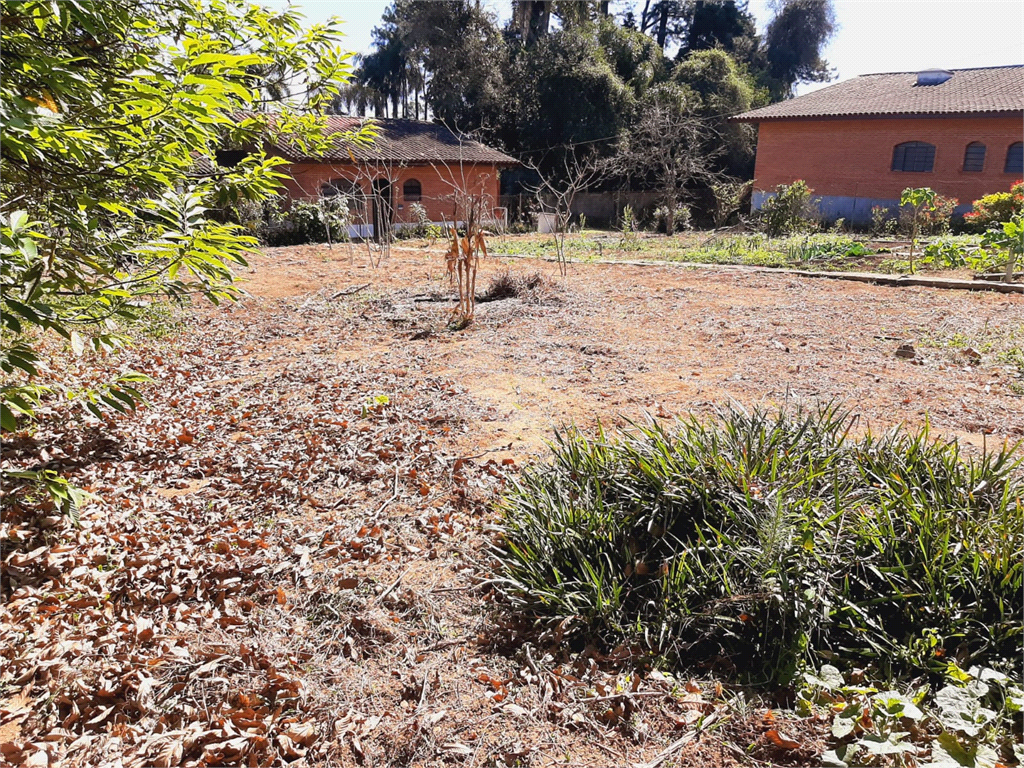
(765, 540)
(816, 251)
(286, 559)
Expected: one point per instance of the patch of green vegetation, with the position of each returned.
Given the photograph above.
(1003, 342)
(968, 718)
(766, 541)
(821, 251)
(157, 320)
(811, 251)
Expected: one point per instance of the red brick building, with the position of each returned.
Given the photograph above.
(859, 143)
(409, 164)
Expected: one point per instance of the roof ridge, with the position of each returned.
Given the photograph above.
(959, 69)
(973, 90)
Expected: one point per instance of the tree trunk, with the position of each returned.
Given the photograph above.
(663, 25)
(534, 21)
(646, 17)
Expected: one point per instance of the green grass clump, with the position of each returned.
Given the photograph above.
(764, 541)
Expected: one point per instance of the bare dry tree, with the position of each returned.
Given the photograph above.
(556, 192)
(472, 208)
(376, 213)
(728, 197)
(672, 148)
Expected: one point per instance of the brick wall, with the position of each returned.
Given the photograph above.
(852, 158)
(438, 185)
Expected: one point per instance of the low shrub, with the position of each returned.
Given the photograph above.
(420, 225)
(995, 209)
(883, 222)
(822, 247)
(628, 225)
(968, 717)
(760, 541)
(1006, 242)
(307, 222)
(509, 284)
(791, 209)
(680, 223)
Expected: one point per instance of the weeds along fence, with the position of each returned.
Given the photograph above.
(600, 208)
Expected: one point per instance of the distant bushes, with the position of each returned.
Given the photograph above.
(301, 222)
(681, 221)
(791, 209)
(995, 209)
(763, 540)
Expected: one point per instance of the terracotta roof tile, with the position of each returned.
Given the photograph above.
(409, 141)
(968, 91)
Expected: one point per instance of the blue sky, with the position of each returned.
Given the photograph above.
(874, 35)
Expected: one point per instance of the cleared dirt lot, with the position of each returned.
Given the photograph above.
(620, 340)
(287, 556)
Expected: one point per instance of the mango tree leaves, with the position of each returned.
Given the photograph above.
(113, 114)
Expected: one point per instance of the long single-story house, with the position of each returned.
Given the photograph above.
(859, 143)
(413, 169)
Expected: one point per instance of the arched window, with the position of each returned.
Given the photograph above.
(974, 156)
(1015, 158)
(346, 188)
(412, 191)
(914, 157)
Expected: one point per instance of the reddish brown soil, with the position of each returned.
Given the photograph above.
(617, 341)
(284, 560)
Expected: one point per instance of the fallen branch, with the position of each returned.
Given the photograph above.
(440, 646)
(392, 588)
(349, 291)
(677, 745)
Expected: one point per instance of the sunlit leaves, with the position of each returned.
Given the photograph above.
(107, 110)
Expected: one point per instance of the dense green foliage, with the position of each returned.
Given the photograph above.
(791, 208)
(535, 87)
(113, 116)
(763, 540)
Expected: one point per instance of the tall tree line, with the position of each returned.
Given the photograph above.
(566, 73)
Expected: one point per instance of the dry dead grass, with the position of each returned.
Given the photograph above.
(286, 563)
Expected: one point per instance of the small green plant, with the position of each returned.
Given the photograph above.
(630, 238)
(933, 220)
(883, 222)
(1008, 240)
(421, 226)
(968, 721)
(791, 209)
(375, 404)
(916, 201)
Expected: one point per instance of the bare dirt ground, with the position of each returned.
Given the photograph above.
(619, 340)
(286, 560)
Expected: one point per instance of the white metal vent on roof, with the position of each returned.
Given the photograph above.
(933, 76)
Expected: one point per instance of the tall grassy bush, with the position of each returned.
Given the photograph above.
(762, 540)
(792, 208)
